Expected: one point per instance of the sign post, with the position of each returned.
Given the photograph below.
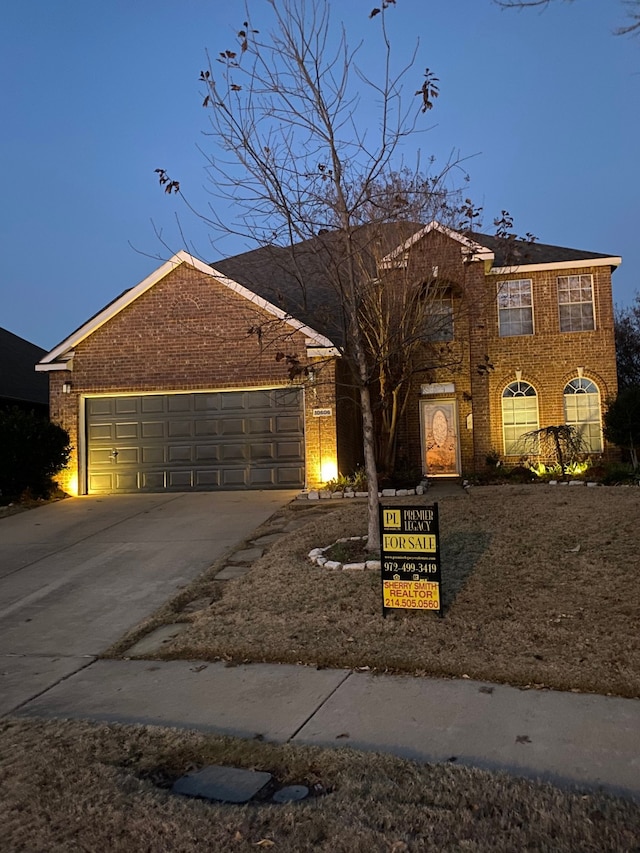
(410, 558)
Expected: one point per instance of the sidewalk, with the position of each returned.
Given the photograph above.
(566, 738)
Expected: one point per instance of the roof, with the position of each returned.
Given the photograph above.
(18, 379)
(295, 277)
(524, 253)
(292, 284)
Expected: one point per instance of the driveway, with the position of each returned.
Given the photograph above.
(75, 575)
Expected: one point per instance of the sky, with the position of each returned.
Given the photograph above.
(544, 108)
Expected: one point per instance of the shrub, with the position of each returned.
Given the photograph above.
(622, 422)
(520, 474)
(617, 473)
(405, 475)
(562, 443)
(341, 483)
(492, 459)
(32, 451)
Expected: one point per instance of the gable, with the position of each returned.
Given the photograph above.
(501, 255)
(59, 357)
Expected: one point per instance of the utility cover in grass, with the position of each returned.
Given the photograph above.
(225, 784)
(291, 794)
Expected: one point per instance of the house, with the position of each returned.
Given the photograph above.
(19, 384)
(230, 375)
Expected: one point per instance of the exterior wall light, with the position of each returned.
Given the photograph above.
(66, 387)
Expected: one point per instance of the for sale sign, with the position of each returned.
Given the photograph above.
(410, 557)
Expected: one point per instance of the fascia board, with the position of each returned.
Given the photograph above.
(47, 368)
(131, 295)
(561, 265)
(322, 352)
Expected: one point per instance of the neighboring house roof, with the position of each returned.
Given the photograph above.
(18, 379)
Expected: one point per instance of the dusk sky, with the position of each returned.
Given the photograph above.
(95, 96)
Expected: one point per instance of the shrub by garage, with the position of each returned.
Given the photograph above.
(32, 451)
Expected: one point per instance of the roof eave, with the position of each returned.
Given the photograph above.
(558, 265)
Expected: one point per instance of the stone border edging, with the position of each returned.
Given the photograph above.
(317, 556)
(325, 494)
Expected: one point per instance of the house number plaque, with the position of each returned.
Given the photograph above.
(410, 558)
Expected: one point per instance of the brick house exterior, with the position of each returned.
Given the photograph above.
(208, 376)
(533, 338)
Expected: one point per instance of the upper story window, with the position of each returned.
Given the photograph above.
(439, 320)
(515, 307)
(575, 303)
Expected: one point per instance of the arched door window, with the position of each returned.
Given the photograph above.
(519, 416)
(582, 410)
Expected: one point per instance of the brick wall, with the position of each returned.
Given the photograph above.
(549, 358)
(483, 363)
(187, 332)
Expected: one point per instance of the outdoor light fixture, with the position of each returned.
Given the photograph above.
(66, 387)
(328, 469)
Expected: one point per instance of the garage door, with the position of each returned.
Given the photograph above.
(200, 441)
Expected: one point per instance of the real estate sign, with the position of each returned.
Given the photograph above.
(410, 557)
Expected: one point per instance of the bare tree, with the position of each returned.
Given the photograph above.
(306, 175)
(328, 194)
(632, 6)
(627, 332)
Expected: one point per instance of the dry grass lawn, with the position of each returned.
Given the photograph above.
(541, 587)
(68, 787)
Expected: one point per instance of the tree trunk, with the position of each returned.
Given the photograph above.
(373, 502)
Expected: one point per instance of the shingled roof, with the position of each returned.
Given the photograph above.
(298, 280)
(295, 278)
(18, 380)
(521, 252)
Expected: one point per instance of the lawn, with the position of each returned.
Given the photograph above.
(541, 586)
(74, 786)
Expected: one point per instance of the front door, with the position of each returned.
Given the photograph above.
(440, 438)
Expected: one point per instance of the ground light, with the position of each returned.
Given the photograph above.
(328, 470)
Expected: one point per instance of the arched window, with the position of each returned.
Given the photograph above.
(519, 415)
(582, 410)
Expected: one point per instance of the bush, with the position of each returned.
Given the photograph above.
(32, 451)
(622, 422)
(617, 473)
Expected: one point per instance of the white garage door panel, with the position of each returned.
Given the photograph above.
(225, 440)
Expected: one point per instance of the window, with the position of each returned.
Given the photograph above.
(519, 415)
(439, 323)
(582, 410)
(515, 311)
(575, 303)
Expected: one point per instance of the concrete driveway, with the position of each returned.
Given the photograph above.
(75, 575)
